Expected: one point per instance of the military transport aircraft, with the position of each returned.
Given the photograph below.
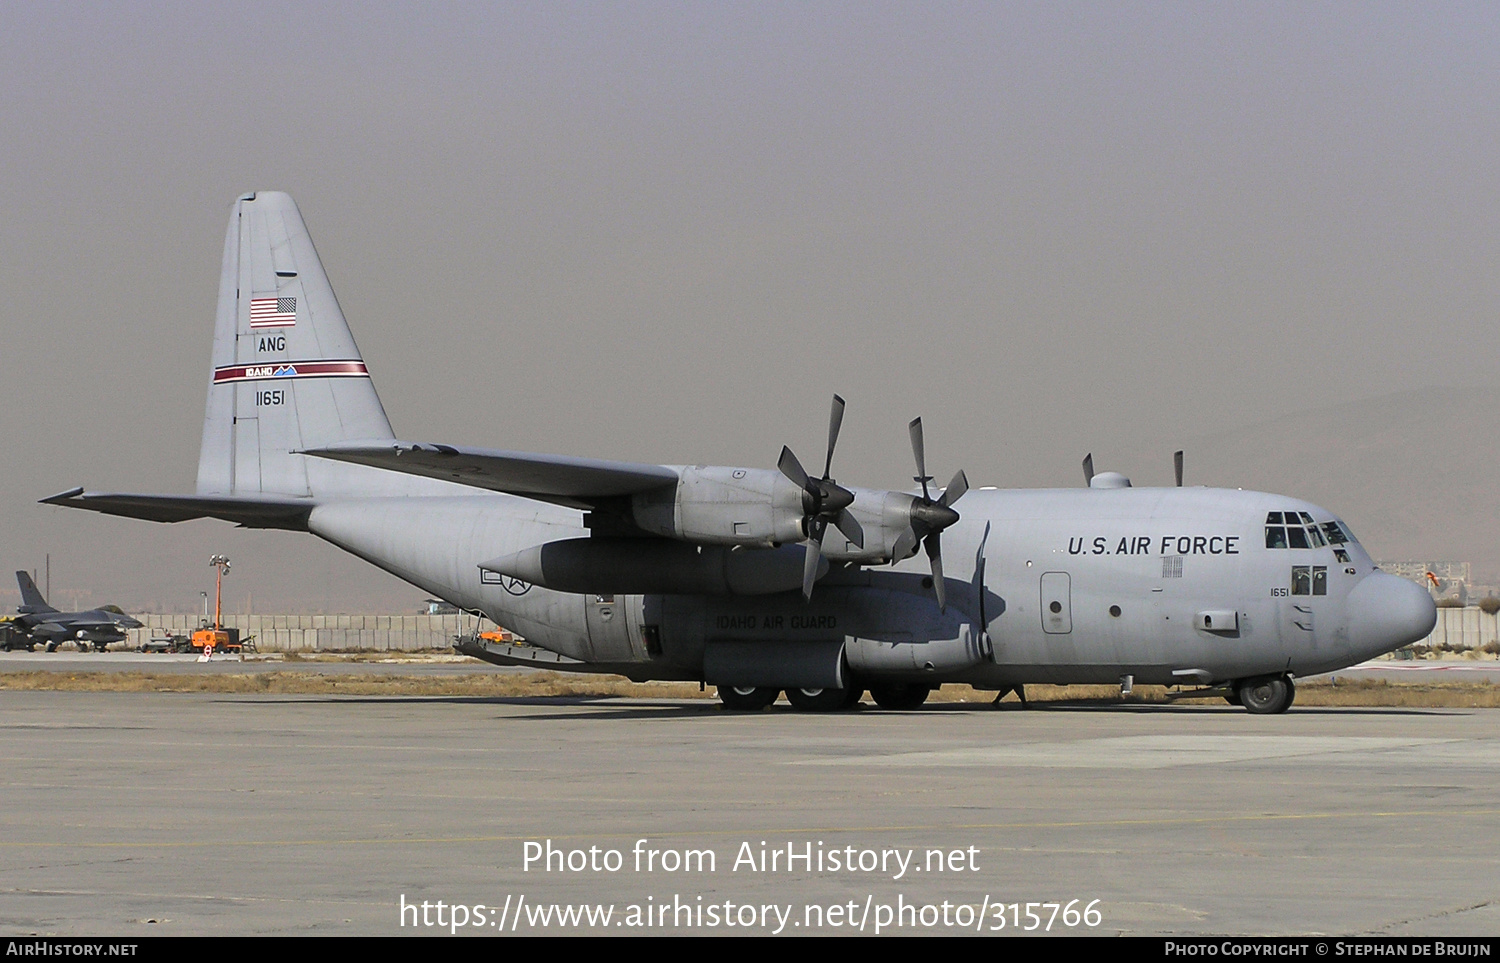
(764, 580)
(41, 624)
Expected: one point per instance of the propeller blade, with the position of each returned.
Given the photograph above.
(955, 489)
(915, 428)
(1177, 465)
(935, 556)
(1088, 468)
(979, 576)
(906, 544)
(835, 421)
(814, 552)
(792, 468)
(851, 528)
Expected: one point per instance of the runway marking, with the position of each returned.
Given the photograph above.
(932, 828)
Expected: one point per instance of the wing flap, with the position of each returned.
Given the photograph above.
(577, 482)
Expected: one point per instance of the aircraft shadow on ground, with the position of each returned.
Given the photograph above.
(608, 708)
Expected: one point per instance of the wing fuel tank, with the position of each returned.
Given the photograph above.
(648, 566)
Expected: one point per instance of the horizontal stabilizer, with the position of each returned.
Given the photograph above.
(246, 511)
(575, 482)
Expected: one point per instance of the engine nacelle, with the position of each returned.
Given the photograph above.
(885, 517)
(725, 506)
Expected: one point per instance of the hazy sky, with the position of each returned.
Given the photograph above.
(668, 232)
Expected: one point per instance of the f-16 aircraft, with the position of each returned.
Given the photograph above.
(41, 624)
(764, 580)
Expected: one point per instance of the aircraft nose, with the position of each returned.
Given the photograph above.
(1386, 612)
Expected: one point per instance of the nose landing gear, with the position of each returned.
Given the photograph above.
(1265, 695)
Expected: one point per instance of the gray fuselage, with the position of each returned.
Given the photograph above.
(1080, 586)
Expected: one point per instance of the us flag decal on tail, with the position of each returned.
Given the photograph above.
(273, 312)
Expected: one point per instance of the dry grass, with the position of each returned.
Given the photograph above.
(544, 684)
(291, 682)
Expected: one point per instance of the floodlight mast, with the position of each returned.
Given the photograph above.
(221, 566)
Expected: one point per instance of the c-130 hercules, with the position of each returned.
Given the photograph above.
(760, 580)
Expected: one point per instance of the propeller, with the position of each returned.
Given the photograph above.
(823, 500)
(928, 516)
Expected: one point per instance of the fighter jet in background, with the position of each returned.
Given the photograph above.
(42, 624)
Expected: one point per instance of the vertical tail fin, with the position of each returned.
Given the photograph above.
(31, 596)
(286, 372)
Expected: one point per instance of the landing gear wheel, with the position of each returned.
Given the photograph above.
(817, 700)
(747, 698)
(852, 695)
(1267, 695)
(900, 696)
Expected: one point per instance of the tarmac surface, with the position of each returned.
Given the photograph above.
(165, 814)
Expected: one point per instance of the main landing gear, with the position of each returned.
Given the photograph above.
(753, 698)
(900, 696)
(747, 698)
(824, 700)
(1266, 695)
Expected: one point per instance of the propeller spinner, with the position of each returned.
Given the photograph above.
(823, 500)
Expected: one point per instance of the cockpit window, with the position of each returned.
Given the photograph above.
(1298, 530)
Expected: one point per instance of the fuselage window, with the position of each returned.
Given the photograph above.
(1296, 537)
(1309, 580)
(1275, 536)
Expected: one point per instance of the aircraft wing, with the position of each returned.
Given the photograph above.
(560, 479)
(270, 511)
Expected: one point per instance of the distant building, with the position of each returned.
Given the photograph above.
(439, 607)
(1445, 580)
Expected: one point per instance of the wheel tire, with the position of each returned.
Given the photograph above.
(747, 698)
(1267, 695)
(817, 700)
(852, 695)
(900, 696)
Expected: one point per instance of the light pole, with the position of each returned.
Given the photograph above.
(221, 567)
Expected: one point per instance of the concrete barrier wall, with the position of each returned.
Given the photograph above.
(310, 633)
(1467, 628)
